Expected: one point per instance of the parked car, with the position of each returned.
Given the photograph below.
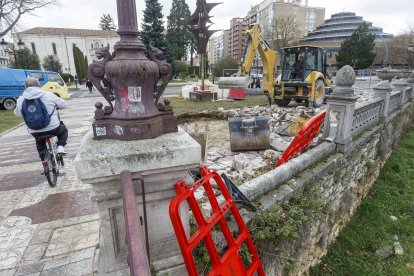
(12, 84)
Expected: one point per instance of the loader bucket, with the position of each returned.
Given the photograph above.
(233, 82)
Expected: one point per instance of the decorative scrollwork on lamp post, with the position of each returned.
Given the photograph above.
(129, 83)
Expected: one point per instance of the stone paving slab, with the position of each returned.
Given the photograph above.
(44, 230)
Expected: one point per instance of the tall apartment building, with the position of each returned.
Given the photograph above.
(221, 46)
(306, 18)
(236, 37)
(211, 49)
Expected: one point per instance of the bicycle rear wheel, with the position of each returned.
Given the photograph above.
(51, 170)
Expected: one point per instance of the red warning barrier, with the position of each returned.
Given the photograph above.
(303, 138)
(229, 262)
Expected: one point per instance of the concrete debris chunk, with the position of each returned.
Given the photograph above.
(385, 252)
(398, 249)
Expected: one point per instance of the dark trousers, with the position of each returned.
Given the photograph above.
(90, 89)
(62, 134)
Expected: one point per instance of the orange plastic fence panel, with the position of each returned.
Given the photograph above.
(303, 138)
(230, 262)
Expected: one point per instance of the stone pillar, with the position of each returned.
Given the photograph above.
(410, 83)
(161, 162)
(340, 110)
(401, 85)
(383, 90)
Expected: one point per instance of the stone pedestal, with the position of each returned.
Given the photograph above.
(383, 90)
(340, 110)
(161, 162)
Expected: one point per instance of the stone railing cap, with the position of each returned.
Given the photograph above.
(383, 85)
(345, 77)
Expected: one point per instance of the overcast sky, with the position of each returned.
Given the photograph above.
(393, 16)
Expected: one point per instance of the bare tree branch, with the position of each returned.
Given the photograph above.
(11, 11)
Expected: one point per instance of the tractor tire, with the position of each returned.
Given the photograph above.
(319, 93)
(282, 102)
(9, 104)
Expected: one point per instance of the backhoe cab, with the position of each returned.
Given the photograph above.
(303, 76)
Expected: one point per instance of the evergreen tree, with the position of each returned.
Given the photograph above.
(26, 60)
(80, 63)
(52, 63)
(178, 35)
(152, 27)
(107, 22)
(358, 49)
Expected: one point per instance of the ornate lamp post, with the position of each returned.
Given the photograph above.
(129, 84)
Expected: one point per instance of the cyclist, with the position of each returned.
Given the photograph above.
(49, 101)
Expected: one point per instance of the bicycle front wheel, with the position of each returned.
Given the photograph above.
(51, 170)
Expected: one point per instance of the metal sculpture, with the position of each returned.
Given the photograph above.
(129, 84)
(198, 26)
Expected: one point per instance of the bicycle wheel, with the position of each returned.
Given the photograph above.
(51, 170)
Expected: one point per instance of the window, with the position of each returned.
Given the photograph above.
(92, 46)
(54, 48)
(37, 75)
(33, 48)
(53, 77)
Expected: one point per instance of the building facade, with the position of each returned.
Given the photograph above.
(236, 37)
(306, 18)
(211, 49)
(4, 56)
(60, 42)
(336, 29)
(221, 46)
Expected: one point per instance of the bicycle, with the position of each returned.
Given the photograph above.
(52, 161)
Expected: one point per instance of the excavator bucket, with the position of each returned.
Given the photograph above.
(233, 82)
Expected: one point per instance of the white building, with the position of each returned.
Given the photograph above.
(60, 42)
(4, 56)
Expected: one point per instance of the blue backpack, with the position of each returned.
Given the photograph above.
(35, 114)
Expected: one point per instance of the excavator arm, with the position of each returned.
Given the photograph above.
(254, 41)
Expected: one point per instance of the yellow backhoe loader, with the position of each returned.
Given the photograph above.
(303, 76)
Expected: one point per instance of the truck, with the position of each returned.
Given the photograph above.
(12, 84)
(303, 77)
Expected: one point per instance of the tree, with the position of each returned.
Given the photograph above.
(281, 32)
(152, 26)
(358, 49)
(179, 37)
(26, 60)
(107, 23)
(226, 62)
(52, 63)
(81, 65)
(11, 11)
(398, 48)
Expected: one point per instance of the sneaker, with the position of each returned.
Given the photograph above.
(61, 150)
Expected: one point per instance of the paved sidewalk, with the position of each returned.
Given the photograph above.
(43, 230)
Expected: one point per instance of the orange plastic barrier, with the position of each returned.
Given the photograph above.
(229, 262)
(303, 138)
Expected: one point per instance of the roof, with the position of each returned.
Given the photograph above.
(69, 32)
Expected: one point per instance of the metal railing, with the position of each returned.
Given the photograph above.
(138, 251)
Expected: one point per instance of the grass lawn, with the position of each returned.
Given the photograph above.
(193, 106)
(371, 228)
(8, 120)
